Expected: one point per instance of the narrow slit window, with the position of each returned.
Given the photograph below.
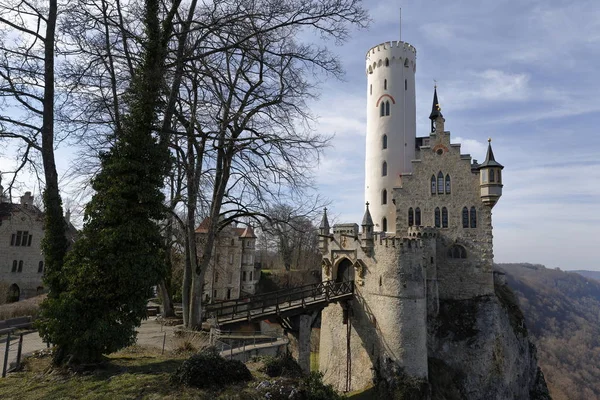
(385, 84)
(382, 109)
(384, 196)
(444, 217)
(411, 217)
(387, 108)
(406, 84)
(417, 216)
(440, 183)
(384, 169)
(473, 217)
(437, 217)
(384, 142)
(384, 224)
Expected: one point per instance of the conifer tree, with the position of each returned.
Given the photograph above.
(109, 273)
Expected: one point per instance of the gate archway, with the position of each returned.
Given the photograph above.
(14, 293)
(345, 271)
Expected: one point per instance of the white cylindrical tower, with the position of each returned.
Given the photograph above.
(391, 126)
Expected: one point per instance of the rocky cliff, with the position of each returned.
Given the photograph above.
(479, 349)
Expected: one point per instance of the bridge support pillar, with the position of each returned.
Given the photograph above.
(304, 342)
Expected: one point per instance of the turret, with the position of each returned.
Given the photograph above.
(324, 233)
(490, 178)
(366, 241)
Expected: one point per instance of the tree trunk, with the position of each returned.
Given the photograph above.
(167, 304)
(186, 285)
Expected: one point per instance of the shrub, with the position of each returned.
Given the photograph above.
(207, 369)
(281, 366)
(23, 308)
(313, 388)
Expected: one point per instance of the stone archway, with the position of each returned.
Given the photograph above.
(14, 293)
(345, 271)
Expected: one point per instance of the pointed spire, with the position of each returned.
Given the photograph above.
(436, 111)
(490, 161)
(324, 222)
(367, 220)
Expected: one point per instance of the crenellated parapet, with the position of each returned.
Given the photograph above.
(422, 232)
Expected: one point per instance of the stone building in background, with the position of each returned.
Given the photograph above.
(233, 272)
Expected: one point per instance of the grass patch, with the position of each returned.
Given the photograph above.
(135, 373)
(314, 361)
(22, 308)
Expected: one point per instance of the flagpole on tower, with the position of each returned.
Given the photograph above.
(400, 23)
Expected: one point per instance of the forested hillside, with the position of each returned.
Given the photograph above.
(562, 310)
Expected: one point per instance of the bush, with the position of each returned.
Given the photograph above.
(23, 308)
(284, 366)
(313, 388)
(208, 369)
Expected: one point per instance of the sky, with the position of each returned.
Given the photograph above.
(521, 72)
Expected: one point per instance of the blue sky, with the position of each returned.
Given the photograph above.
(521, 72)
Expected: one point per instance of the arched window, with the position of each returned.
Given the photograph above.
(499, 177)
(384, 169)
(387, 62)
(437, 217)
(440, 183)
(20, 266)
(433, 184)
(457, 251)
(473, 217)
(385, 84)
(447, 184)
(40, 267)
(387, 108)
(384, 197)
(406, 62)
(465, 217)
(411, 217)
(14, 267)
(384, 142)
(417, 216)
(492, 178)
(384, 224)
(382, 109)
(444, 217)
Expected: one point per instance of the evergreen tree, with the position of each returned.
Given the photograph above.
(108, 275)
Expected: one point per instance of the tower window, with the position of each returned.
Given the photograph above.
(384, 169)
(417, 216)
(406, 84)
(440, 183)
(492, 177)
(384, 224)
(444, 217)
(20, 266)
(40, 267)
(384, 142)
(371, 89)
(499, 178)
(406, 62)
(447, 184)
(465, 217)
(484, 178)
(384, 197)
(473, 217)
(387, 62)
(382, 109)
(411, 217)
(385, 84)
(14, 266)
(437, 217)
(433, 184)
(387, 108)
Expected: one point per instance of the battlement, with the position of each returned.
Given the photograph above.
(391, 46)
(422, 232)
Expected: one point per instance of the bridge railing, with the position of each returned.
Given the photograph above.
(280, 299)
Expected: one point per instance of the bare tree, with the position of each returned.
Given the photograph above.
(27, 97)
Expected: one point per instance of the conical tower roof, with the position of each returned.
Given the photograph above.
(490, 161)
(367, 220)
(324, 221)
(436, 111)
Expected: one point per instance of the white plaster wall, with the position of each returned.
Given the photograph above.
(399, 126)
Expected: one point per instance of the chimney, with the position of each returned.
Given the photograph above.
(27, 199)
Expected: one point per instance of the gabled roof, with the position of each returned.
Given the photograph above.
(7, 209)
(246, 232)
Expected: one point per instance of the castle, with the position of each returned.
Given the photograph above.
(426, 235)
